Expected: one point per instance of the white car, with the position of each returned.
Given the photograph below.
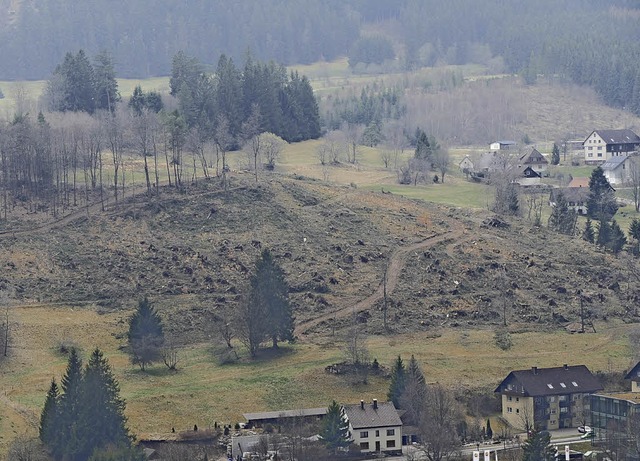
(584, 429)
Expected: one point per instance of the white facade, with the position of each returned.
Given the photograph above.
(377, 439)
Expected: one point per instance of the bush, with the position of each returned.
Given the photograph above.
(502, 339)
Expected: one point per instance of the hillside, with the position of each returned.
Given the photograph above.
(192, 254)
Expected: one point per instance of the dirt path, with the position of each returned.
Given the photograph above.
(396, 264)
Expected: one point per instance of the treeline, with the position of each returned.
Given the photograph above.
(82, 150)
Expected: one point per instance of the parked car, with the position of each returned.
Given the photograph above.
(584, 429)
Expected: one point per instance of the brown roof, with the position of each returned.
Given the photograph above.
(579, 182)
(533, 158)
(362, 417)
(537, 382)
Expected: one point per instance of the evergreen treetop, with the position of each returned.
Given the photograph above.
(601, 203)
(335, 428)
(397, 382)
(538, 448)
(49, 417)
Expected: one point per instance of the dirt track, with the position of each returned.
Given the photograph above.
(396, 264)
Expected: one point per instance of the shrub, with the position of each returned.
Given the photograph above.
(502, 339)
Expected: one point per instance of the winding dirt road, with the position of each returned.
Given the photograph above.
(396, 263)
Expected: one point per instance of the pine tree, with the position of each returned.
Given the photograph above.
(335, 429)
(101, 420)
(555, 154)
(65, 441)
(588, 234)
(49, 424)
(489, 431)
(396, 388)
(617, 239)
(146, 335)
(270, 291)
(538, 448)
(604, 233)
(562, 219)
(601, 203)
(414, 394)
(106, 85)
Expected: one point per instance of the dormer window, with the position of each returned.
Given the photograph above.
(563, 385)
(574, 383)
(550, 386)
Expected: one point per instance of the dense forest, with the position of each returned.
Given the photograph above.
(591, 42)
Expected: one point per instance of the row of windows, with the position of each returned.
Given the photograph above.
(365, 445)
(365, 434)
(510, 410)
(591, 148)
(510, 399)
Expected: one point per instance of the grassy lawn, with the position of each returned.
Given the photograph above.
(202, 391)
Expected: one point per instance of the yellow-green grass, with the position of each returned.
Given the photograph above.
(203, 391)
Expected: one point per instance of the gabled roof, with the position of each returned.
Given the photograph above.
(285, 413)
(613, 162)
(634, 373)
(571, 194)
(533, 158)
(537, 382)
(579, 182)
(617, 136)
(365, 416)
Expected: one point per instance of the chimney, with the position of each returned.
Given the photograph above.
(566, 367)
(534, 370)
(375, 404)
(362, 404)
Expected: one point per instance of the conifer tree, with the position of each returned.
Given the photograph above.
(538, 448)
(489, 431)
(415, 391)
(562, 219)
(49, 423)
(146, 335)
(555, 154)
(634, 233)
(101, 417)
(335, 429)
(617, 239)
(588, 234)
(601, 203)
(604, 233)
(65, 441)
(396, 388)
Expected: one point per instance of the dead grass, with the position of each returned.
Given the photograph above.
(203, 392)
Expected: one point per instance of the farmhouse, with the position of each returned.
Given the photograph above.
(535, 160)
(616, 169)
(547, 398)
(503, 145)
(576, 198)
(466, 164)
(375, 427)
(617, 415)
(601, 145)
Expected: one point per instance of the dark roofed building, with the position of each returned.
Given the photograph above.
(601, 145)
(375, 427)
(278, 417)
(547, 398)
(535, 160)
(576, 198)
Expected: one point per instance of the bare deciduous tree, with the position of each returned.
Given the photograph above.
(271, 146)
(442, 161)
(438, 424)
(24, 448)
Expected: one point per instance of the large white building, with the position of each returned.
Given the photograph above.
(601, 145)
(375, 427)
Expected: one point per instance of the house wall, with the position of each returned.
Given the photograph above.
(635, 386)
(595, 149)
(390, 438)
(517, 409)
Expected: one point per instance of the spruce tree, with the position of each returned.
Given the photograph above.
(617, 239)
(397, 382)
(604, 233)
(555, 154)
(335, 428)
(49, 424)
(414, 394)
(270, 294)
(538, 448)
(489, 431)
(146, 335)
(601, 203)
(634, 233)
(65, 443)
(562, 219)
(588, 234)
(101, 420)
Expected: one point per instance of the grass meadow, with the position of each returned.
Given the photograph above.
(203, 392)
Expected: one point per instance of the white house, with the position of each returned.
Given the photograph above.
(375, 427)
(503, 145)
(601, 145)
(616, 169)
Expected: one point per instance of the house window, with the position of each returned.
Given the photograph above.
(553, 412)
(509, 398)
(364, 434)
(574, 383)
(391, 432)
(599, 154)
(550, 386)
(563, 410)
(563, 385)
(552, 399)
(599, 147)
(364, 445)
(562, 398)
(517, 399)
(590, 154)
(391, 443)
(377, 433)
(509, 410)
(517, 411)
(553, 421)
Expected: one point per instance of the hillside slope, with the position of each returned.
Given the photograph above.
(192, 254)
